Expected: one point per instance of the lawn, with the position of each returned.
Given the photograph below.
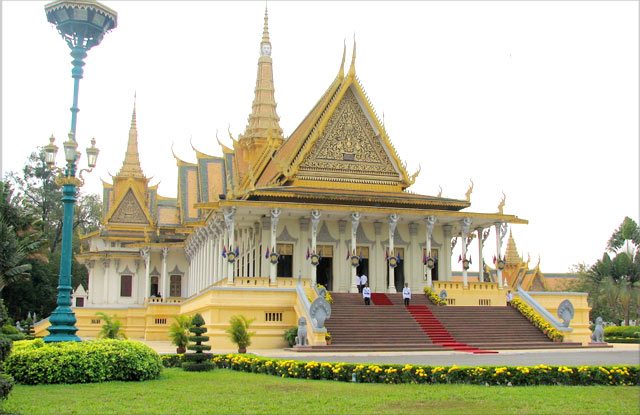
(228, 392)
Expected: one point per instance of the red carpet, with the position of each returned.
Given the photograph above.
(380, 299)
(437, 332)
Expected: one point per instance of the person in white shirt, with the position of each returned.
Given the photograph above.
(366, 294)
(406, 294)
(509, 297)
(363, 281)
(358, 283)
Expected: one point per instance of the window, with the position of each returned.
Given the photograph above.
(175, 286)
(125, 285)
(79, 301)
(285, 263)
(155, 287)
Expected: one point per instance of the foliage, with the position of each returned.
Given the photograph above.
(110, 327)
(33, 362)
(27, 328)
(198, 361)
(481, 375)
(327, 336)
(5, 347)
(622, 331)
(327, 294)
(433, 297)
(290, 336)
(172, 360)
(179, 331)
(239, 331)
(536, 320)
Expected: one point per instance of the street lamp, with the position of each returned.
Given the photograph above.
(82, 24)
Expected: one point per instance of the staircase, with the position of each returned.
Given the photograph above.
(387, 325)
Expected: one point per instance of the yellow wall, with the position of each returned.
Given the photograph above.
(580, 322)
(476, 293)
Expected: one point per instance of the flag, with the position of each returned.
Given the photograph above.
(424, 257)
(308, 254)
(494, 259)
(470, 260)
(459, 258)
(398, 257)
(386, 254)
(347, 255)
(266, 253)
(224, 252)
(237, 251)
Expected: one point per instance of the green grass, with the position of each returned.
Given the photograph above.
(228, 392)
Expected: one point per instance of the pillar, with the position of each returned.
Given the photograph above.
(315, 221)
(229, 220)
(105, 282)
(414, 257)
(146, 255)
(446, 255)
(355, 221)
(480, 257)
(501, 231)
(342, 272)
(374, 271)
(164, 287)
(393, 222)
(273, 269)
(430, 221)
(466, 224)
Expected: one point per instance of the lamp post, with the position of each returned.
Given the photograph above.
(82, 24)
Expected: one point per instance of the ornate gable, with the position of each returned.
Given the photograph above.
(129, 211)
(349, 147)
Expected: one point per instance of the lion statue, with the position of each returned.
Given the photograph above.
(598, 332)
(301, 338)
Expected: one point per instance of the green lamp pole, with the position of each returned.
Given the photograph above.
(82, 24)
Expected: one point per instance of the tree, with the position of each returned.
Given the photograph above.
(110, 327)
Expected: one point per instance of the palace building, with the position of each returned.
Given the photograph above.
(253, 230)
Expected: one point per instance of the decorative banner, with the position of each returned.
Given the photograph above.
(393, 262)
(231, 256)
(430, 263)
(274, 257)
(224, 252)
(355, 260)
(501, 264)
(315, 259)
(266, 253)
(465, 264)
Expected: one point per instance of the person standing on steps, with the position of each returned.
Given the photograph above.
(363, 281)
(406, 294)
(359, 283)
(509, 297)
(366, 294)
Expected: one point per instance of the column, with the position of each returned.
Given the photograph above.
(355, 221)
(446, 255)
(265, 239)
(480, 260)
(414, 256)
(374, 268)
(221, 242)
(430, 221)
(229, 220)
(341, 272)
(273, 268)
(105, 289)
(393, 222)
(466, 224)
(315, 221)
(501, 231)
(146, 255)
(164, 286)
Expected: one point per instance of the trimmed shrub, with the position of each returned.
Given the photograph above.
(6, 384)
(198, 361)
(82, 362)
(622, 331)
(172, 360)
(5, 347)
(12, 333)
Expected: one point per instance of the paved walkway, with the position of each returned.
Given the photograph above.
(619, 354)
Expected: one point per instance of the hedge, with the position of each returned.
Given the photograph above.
(481, 375)
(36, 362)
(622, 331)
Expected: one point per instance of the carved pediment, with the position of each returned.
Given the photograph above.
(350, 145)
(129, 211)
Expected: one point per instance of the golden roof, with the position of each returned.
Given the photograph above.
(131, 164)
(511, 253)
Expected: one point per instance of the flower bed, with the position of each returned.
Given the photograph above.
(371, 373)
(536, 320)
(433, 297)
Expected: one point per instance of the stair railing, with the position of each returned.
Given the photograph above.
(306, 307)
(524, 296)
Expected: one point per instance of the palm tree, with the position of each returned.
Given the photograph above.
(14, 253)
(179, 332)
(110, 328)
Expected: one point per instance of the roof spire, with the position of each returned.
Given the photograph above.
(511, 253)
(344, 54)
(131, 164)
(265, 51)
(352, 69)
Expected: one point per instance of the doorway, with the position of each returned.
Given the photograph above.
(285, 262)
(398, 273)
(363, 267)
(324, 270)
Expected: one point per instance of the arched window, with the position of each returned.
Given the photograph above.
(175, 286)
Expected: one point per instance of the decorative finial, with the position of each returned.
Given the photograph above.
(352, 69)
(133, 115)
(265, 45)
(440, 192)
(469, 190)
(344, 54)
(501, 205)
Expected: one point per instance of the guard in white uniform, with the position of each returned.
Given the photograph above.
(406, 294)
(366, 294)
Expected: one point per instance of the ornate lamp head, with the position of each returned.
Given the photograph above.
(92, 154)
(81, 23)
(50, 151)
(70, 149)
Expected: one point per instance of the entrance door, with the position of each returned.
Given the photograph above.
(285, 263)
(324, 270)
(398, 273)
(363, 268)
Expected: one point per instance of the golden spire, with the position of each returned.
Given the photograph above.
(263, 115)
(352, 68)
(344, 54)
(511, 253)
(131, 165)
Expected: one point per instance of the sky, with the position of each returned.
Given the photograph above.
(538, 100)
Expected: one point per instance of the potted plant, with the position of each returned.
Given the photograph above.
(179, 333)
(110, 328)
(290, 336)
(239, 332)
(327, 337)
